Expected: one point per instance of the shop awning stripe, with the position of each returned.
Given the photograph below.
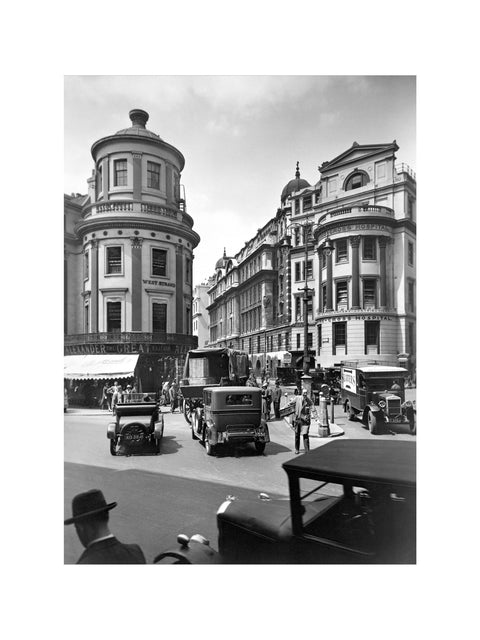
(99, 367)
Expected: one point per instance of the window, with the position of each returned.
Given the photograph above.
(298, 271)
(332, 186)
(339, 335)
(324, 259)
(319, 338)
(296, 236)
(87, 318)
(100, 181)
(410, 254)
(86, 270)
(342, 294)
(120, 173)
(249, 345)
(410, 208)
(356, 180)
(307, 203)
(369, 248)
(159, 262)
(309, 269)
(159, 317)
(114, 317)
(279, 341)
(187, 270)
(309, 340)
(153, 175)
(324, 297)
(298, 308)
(341, 251)
(372, 335)
(114, 260)
(298, 341)
(258, 344)
(369, 292)
(287, 342)
(411, 296)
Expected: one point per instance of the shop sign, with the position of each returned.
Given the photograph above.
(354, 316)
(128, 347)
(159, 283)
(347, 228)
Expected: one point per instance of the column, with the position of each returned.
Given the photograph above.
(383, 241)
(329, 284)
(136, 244)
(355, 243)
(179, 289)
(94, 286)
(105, 178)
(320, 287)
(288, 283)
(137, 176)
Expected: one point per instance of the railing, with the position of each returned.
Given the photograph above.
(358, 211)
(404, 168)
(129, 337)
(133, 206)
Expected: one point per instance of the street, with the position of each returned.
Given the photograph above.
(179, 490)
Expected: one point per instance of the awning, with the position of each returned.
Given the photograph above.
(96, 367)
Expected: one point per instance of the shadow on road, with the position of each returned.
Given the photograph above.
(168, 445)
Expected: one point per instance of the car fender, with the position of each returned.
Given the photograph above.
(111, 430)
(158, 428)
(266, 433)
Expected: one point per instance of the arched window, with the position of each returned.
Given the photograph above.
(356, 180)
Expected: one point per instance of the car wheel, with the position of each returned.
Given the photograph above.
(187, 414)
(194, 425)
(349, 410)
(260, 447)
(113, 446)
(157, 445)
(372, 423)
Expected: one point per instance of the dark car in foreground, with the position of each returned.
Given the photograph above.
(351, 501)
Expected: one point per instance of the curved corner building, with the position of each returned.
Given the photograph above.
(128, 262)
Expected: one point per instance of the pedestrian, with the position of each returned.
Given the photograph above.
(90, 517)
(127, 393)
(173, 393)
(302, 420)
(276, 397)
(409, 410)
(266, 401)
(251, 382)
(104, 398)
(165, 389)
(109, 394)
(396, 388)
(116, 394)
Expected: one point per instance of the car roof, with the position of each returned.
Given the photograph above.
(373, 368)
(359, 461)
(234, 389)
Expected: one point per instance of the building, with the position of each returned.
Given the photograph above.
(128, 262)
(359, 225)
(199, 312)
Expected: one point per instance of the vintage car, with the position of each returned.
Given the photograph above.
(210, 368)
(366, 391)
(230, 415)
(138, 426)
(351, 502)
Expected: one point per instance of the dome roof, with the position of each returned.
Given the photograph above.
(295, 184)
(139, 120)
(221, 262)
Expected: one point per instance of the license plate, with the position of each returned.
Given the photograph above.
(395, 420)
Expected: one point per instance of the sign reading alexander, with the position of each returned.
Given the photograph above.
(127, 347)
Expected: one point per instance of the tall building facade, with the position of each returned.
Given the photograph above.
(128, 255)
(358, 222)
(200, 313)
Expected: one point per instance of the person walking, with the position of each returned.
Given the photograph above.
(165, 392)
(251, 382)
(302, 420)
(276, 397)
(116, 394)
(104, 398)
(173, 392)
(266, 401)
(90, 517)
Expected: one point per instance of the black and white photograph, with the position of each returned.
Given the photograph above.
(240, 319)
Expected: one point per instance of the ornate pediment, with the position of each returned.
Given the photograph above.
(356, 154)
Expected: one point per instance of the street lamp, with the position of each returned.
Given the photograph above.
(307, 228)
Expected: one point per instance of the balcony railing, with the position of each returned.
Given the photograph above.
(133, 206)
(404, 168)
(358, 211)
(130, 337)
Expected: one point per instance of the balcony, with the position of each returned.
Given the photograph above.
(357, 212)
(136, 208)
(404, 168)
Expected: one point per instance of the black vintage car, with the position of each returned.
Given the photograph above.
(351, 502)
(138, 426)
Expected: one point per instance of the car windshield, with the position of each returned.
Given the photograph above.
(239, 398)
(383, 383)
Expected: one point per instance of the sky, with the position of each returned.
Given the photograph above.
(241, 137)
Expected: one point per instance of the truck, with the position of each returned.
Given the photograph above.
(374, 392)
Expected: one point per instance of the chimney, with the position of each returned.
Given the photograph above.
(139, 117)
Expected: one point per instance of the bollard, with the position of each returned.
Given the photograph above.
(323, 429)
(332, 412)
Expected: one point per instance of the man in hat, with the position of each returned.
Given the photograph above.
(302, 420)
(276, 397)
(90, 517)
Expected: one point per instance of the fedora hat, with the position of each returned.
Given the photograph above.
(88, 504)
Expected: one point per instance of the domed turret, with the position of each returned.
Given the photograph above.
(221, 262)
(295, 184)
